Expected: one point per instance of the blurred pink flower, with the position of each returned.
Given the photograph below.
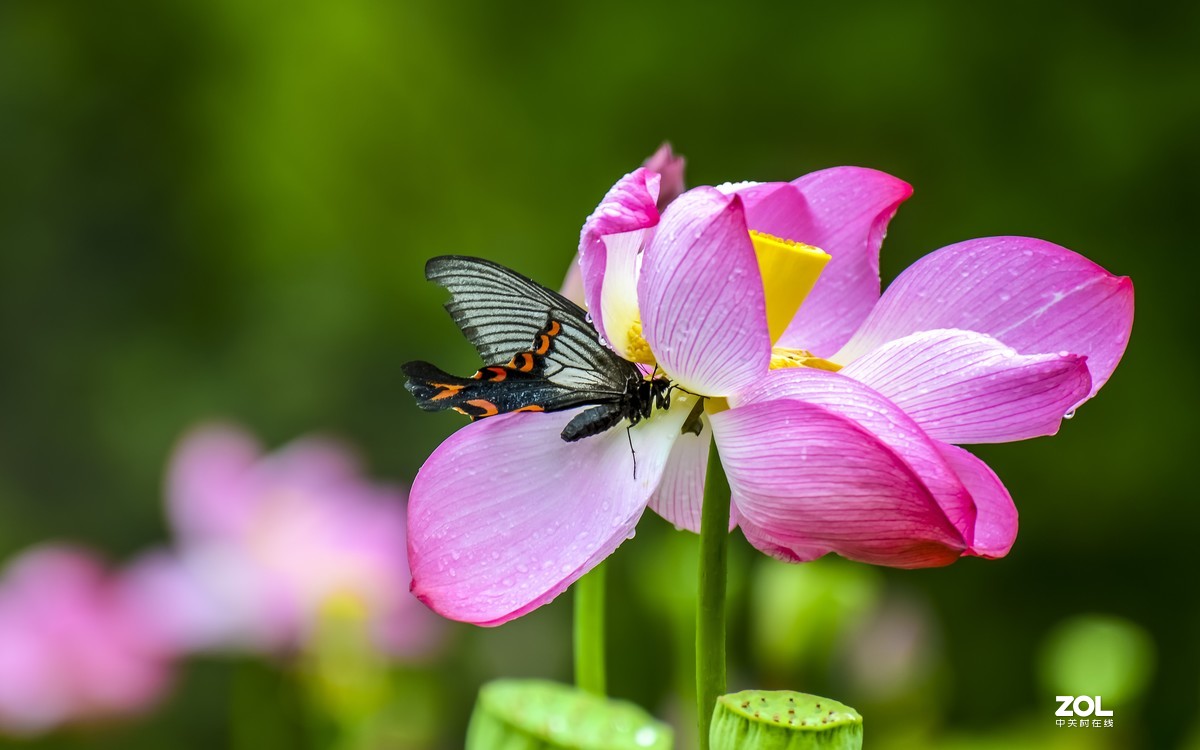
(70, 648)
(266, 544)
(833, 419)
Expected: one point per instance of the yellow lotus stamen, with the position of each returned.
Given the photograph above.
(782, 357)
(635, 347)
(716, 405)
(789, 271)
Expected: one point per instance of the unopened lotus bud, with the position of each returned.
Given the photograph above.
(783, 720)
(542, 715)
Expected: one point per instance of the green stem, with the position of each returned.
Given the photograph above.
(710, 610)
(589, 631)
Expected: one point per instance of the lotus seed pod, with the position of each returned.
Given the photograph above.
(542, 715)
(783, 720)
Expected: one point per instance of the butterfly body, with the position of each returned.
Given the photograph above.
(552, 357)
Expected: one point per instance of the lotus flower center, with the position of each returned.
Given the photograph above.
(789, 271)
(782, 357)
(636, 349)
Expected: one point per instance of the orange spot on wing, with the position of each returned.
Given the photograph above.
(531, 407)
(526, 361)
(494, 374)
(543, 344)
(489, 409)
(554, 329)
(446, 391)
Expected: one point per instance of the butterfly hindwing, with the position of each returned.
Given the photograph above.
(479, 397)
(518, 385)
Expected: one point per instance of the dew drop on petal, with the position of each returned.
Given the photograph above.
(1069, 415)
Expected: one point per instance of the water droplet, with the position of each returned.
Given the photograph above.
(522, 569)
(1069, 415)
(1005, 297)
(455, 554)
(453, 573)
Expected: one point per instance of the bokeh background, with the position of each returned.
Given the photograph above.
(222, 209)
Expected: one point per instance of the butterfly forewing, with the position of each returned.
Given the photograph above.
(539, 350)
(503, 314)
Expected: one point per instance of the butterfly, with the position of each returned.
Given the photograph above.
(541, 354)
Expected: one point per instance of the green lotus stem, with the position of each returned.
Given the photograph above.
(589, 631)
(710, 609)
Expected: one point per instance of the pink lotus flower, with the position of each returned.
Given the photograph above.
(834, 420)
(266, 544)
(70, 648)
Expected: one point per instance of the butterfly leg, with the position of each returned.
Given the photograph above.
(632, 452)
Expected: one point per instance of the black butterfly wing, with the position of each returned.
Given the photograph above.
(504, 314)
(491, 391)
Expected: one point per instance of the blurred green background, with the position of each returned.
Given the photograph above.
(223, 209)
